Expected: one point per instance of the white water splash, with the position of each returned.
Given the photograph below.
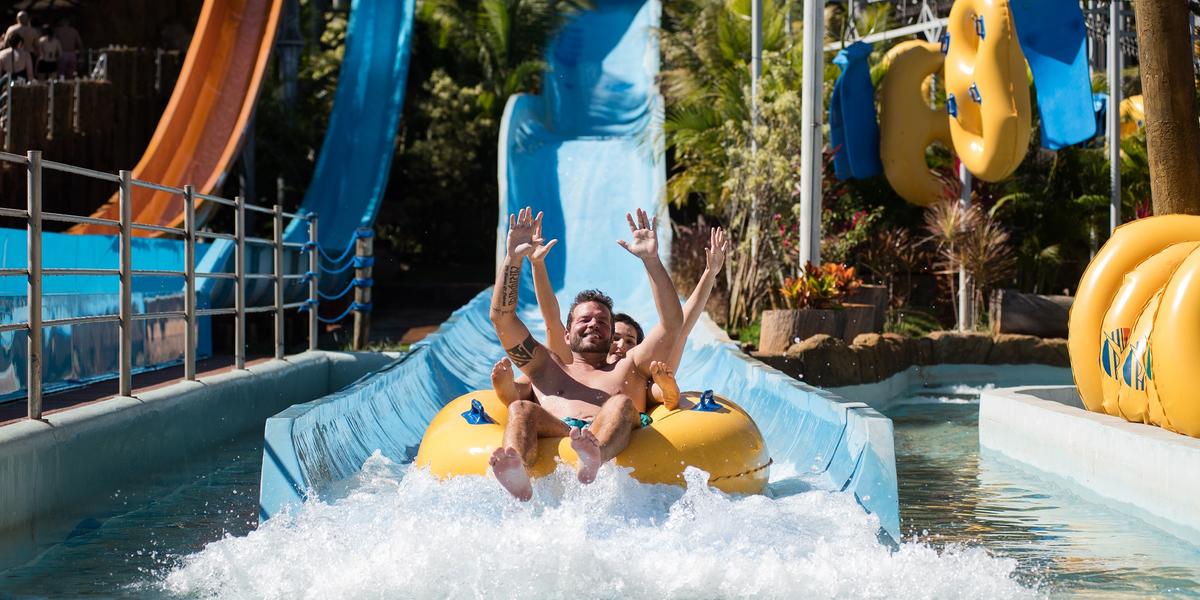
(402, 533)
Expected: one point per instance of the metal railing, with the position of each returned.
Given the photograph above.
(34, 271)
(6, 110)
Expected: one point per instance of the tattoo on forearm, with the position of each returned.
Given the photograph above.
(522, 353)
(512, 280)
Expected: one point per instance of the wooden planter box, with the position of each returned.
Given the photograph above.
(876, 296)
(782, 328)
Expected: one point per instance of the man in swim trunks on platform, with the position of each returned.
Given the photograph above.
(605, 396)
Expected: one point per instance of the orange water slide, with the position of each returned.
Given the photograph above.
(202, 128)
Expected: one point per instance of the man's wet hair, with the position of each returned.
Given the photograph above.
(628, 320)
(14, 41)
(589, 296)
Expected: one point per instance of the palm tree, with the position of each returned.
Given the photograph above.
(506, 38)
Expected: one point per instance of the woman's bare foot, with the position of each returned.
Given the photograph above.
(503, 382)
(588, 448)
(510, 472)
(665, 378)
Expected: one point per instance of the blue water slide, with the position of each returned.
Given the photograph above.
(853, 126)
(1054, 41)
(585, 152)
(351, 175)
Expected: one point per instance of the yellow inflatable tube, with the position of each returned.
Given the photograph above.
(987, 89)
(1133, 115)
(1116, 331)
(1175, 350)
(1137, 300)
(907, 124)
(724, 442)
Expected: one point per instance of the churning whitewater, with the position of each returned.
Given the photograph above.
(396, 531)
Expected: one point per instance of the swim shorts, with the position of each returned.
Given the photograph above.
(580, 423)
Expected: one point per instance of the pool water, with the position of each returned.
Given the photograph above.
(1064, 541)
(976, 526)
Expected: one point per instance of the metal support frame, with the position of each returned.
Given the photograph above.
(1114, 114)
(239, 283)
(50, 110)
(278, 278)
(189, 290)
(314, 267)
(126, 303)
(33, 228)
(966, 312)
(7, 81)
(364, 248)
(811, 138)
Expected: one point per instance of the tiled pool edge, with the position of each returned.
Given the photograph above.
(1146, 471)
(879, 395)
(73, 456)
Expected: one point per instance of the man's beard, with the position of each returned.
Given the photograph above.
(584, 345)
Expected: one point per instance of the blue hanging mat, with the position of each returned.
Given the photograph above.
(1053, 39)
(853, 128)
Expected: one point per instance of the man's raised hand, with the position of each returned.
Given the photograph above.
(718, 247)
(524, 233)
(645, 235)
(542, 248)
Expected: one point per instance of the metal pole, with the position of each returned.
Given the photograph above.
(314, 267)
(189, 286)
(1114, 114)
(755, 75)
(33, 289)
(278, 248)
(8, 112)
(49, 110)
(966, 313)
(126, 350)
(364, 248)
(811, 142)
(239, 296)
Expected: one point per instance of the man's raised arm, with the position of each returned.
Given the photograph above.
(514, 336)
(659, 340)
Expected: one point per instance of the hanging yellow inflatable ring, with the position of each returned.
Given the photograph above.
(907, 124)
(987, 89)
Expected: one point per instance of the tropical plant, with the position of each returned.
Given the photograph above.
(505, 39)
(820, 287)
(973, 241)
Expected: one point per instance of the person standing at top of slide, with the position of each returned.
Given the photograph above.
(49, 50)
(24, 28)
(72, 46)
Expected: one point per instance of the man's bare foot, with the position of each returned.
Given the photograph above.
(503, 382)
(665, 378)
(588, 448)
(510, 472)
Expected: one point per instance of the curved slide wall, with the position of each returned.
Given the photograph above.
(202, 127)
(585, 152)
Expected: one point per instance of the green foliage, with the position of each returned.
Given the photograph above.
(911, 322)
(749, 333)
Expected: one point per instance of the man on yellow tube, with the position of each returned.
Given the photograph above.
(589, 388)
